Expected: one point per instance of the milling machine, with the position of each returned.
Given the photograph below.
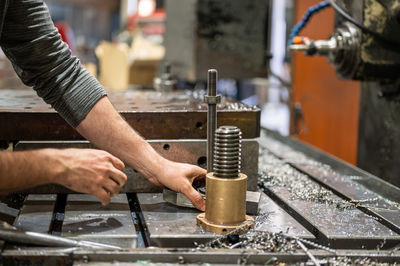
(313, 208)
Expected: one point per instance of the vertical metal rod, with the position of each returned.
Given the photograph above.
(211, 118)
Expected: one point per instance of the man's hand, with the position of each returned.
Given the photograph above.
(105, 128)
(89, 171)
(180, 177)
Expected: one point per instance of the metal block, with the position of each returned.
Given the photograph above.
(86, 218)
(185, 151)
(252, 202)
(37, 213)
(155, 115)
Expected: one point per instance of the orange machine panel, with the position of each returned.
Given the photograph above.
(329, 106)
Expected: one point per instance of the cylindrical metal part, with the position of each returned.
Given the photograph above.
(226, 186)
(227, 152)
(211, 118)
(226, 199)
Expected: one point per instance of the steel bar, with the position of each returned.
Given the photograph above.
(34, 238)
(211, 101)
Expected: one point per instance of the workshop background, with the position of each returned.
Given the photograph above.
(131, 35)
(310, 91)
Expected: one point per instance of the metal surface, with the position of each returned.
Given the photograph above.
(370, 202)
(155, 115)
(87, 219)
(227, 152)
(211, 99)
(308, 189)
(272, 218)
(170, 225)
(186, 151)
(173, 226)
(333, 220)
(37, 213)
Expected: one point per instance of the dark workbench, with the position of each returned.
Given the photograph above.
(155, 115)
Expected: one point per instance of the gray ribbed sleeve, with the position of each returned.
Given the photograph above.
(42, 60)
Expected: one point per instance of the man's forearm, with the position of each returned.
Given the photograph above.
(106, 129)
(21, 170)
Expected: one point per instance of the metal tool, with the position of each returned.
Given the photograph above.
(212, 99)
(226, 186)
(14, 235)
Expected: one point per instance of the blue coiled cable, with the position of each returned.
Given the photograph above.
(310, 12)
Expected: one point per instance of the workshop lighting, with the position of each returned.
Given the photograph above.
(146, 7)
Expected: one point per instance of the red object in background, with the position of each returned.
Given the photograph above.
(155, 26)
(67, 35)
(329, 105)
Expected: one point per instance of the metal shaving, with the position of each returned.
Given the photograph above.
(339, 261)
(276, 172)
(292, 156)
(255, 240)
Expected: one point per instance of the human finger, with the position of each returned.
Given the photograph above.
(103, 196)
(117, 163)
(196, 199)
(111, 186)
(118, 177)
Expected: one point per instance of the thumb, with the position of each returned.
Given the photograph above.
(196, 199)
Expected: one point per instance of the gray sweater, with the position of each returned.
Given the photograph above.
(42, 60)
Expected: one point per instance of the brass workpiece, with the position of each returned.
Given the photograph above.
(225, 204)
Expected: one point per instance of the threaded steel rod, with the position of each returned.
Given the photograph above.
(227, 152)
(211, 118)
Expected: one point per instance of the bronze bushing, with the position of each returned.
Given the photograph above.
(225, 204)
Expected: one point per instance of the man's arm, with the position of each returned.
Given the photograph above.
(42, 60)
(106, 129)
(68, 167)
